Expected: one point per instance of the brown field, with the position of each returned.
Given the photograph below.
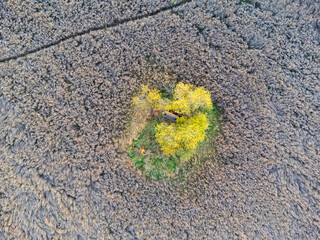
(68, 71)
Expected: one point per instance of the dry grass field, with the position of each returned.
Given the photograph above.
(68, 72)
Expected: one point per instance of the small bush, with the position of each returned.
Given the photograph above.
(150, 99)
(182, 136)
(188, 99)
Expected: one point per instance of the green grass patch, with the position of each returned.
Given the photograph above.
(146, 154)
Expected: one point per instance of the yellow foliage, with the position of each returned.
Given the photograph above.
(149, 98)
(188, 99)
(183, 135)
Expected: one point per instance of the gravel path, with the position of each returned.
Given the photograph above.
(68, 72)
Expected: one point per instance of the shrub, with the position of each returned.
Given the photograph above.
(188, 99)
(182, 136)
(149, 99)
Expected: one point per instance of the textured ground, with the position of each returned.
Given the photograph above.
(67, 74)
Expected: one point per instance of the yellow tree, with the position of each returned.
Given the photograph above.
(183, 136)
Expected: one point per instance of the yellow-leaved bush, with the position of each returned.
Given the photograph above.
(150, 98)
(183, 136)
(187, 99)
